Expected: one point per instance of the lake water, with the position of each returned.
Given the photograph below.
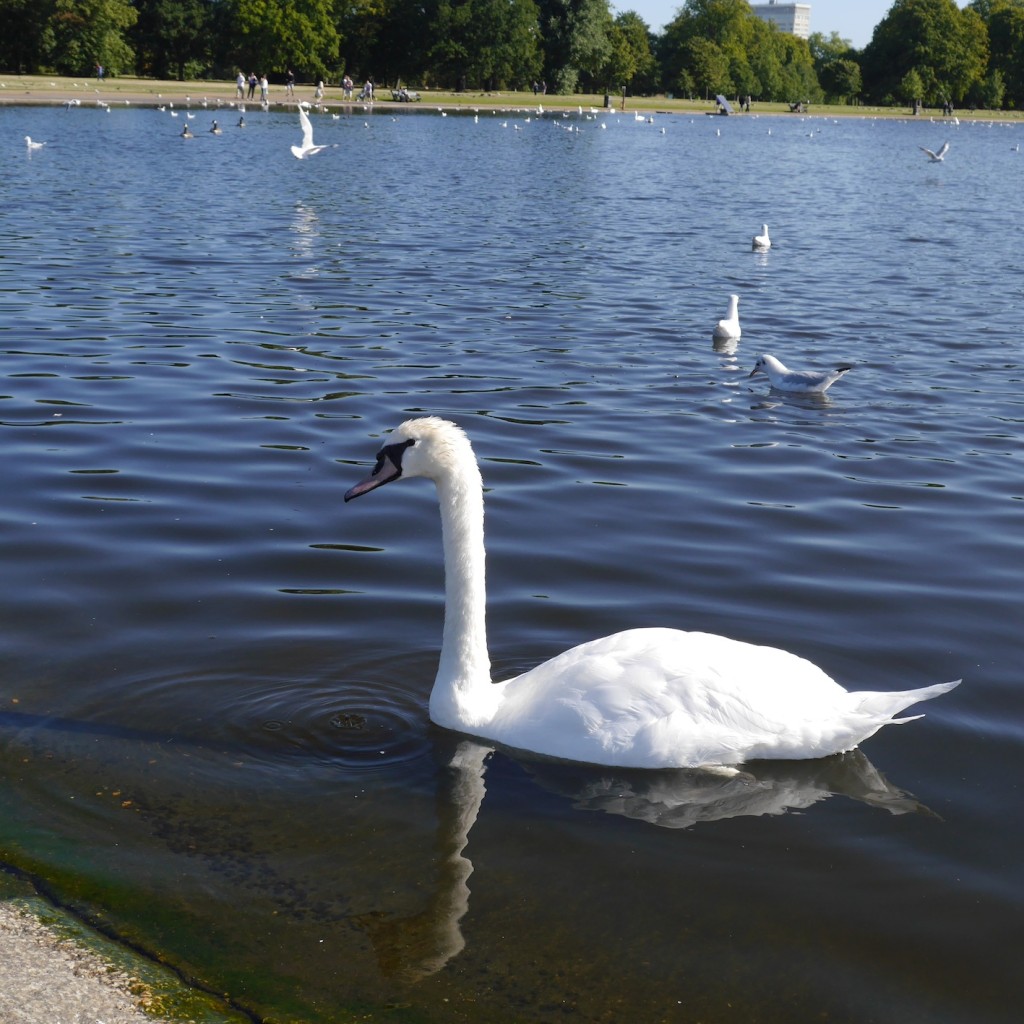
(214, 740)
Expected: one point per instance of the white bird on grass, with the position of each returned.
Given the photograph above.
(761, 242)
(798, 382)
(307, 148)
(729, 328)
(643, 698)
(936, 158)
(32, 146)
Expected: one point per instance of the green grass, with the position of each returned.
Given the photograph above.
(52, 88)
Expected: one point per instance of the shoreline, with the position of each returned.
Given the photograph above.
(55, 967)
(48, 90)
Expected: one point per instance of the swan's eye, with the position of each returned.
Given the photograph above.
(394, 453)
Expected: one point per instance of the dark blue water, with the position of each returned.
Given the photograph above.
(213, 675)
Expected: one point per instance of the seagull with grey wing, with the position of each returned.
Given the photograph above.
(307, 148)
(799, 382)
(936, 158)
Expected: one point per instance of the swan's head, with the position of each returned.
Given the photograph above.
(429, 447)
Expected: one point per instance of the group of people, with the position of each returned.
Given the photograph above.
(250, 82)
(241, 82)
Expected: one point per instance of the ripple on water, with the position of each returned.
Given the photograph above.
(366, 720)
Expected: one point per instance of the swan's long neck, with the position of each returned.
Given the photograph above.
(463, 697)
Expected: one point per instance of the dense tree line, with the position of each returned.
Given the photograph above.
(923, 50)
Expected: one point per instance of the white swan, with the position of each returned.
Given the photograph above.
(645, 698)
(761, 242)
(730, 326)
(800, 382)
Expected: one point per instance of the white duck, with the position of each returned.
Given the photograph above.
(729, 328)
(799, 382)
(307, 148)
(761, 242)
(644, 698)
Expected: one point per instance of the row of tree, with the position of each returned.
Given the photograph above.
(927, 50)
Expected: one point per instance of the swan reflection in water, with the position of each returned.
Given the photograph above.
(409, 949)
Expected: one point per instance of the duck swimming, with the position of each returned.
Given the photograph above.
(643, 698)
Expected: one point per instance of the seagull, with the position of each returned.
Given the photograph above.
(762, 241)
(30, 145)
(307, 148)
(729, 328)
(936, 158)
(800, 382)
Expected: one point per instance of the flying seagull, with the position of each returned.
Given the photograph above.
(936, 158)
(307, 148)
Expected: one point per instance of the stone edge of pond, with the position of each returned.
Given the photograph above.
(53, 967)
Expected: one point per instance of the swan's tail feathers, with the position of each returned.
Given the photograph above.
(890, 704)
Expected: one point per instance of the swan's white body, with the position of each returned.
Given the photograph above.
(761, 242)
(799, 382)
(729, 328)
(936, 158)
(307, 148)
(644, 698)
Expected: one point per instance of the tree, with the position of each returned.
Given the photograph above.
(840, 79)
(575, 41)
(721, 46)
(836, 65)
(27, 34)
(947, 47)
(911, 87)
(485, 44)
(172, 36)
(1004, 20)
(84, 33)
(274, 35)
(630, 64)
(826, 49)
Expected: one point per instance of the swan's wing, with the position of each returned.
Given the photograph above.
(307, 130)
(661, 697)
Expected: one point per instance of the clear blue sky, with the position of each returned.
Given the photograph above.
(852, 19)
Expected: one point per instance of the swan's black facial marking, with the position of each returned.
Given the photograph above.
(388, 468)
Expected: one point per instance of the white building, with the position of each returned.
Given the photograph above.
(792, 18)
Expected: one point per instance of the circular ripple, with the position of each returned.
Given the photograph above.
(246, 714)
(353, 723)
